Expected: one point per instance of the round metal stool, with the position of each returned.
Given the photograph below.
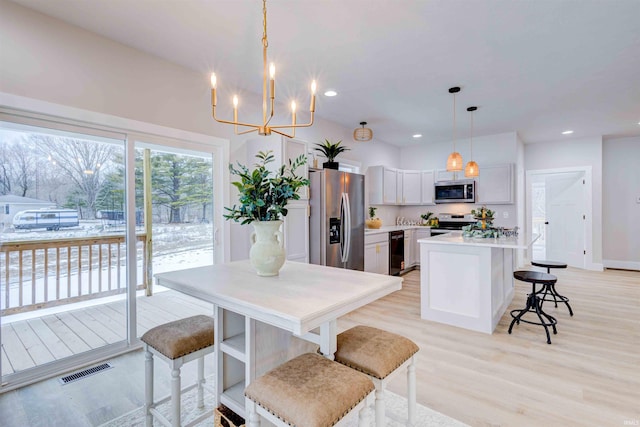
(534, 302)
(551, 289)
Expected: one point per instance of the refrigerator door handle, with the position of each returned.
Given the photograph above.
(346, 219)
(342, 228)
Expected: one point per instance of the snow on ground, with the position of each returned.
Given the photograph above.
(175, 246)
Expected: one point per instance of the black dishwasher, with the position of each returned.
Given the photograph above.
(396, 252)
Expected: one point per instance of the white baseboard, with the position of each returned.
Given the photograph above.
(625, 265)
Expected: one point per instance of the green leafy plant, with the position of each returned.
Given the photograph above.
(331, 150)
(263, 193)
(426, 216)
(488, 213)
(372, 212)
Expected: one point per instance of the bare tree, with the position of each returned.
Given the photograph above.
(79, 160)
(19, 167)
(24, 165)
(5, 169)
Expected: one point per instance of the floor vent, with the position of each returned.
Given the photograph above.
(85, 373)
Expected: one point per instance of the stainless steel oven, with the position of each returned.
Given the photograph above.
(448, 222)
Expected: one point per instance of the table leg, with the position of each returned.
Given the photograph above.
(328, 339)
(217, 356)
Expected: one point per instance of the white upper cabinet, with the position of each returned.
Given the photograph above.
(411, 184)
(390, 186)
(428, 191)
(382, 184)
(495, 184)
(445, 175)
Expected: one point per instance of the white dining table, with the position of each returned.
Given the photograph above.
(258, 318)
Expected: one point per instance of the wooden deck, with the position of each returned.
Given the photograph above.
(34, 342)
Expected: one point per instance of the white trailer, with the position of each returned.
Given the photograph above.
(51, 219)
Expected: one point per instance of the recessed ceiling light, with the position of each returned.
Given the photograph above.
(417, 135)
(567, 132)
(330, 93)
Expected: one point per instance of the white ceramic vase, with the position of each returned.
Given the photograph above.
(267, 248)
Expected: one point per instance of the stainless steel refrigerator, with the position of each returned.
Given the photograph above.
(336, 223)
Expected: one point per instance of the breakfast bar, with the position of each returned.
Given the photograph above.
(257, 317)
(467, 281)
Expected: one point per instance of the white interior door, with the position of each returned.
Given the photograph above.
(565, 210)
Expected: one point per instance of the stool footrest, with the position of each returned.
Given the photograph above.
(182, 391)
(552, 320)
(534, 305)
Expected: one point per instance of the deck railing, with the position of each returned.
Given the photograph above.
(44, 273)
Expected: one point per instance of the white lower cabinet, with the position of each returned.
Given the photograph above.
(417, 235)
(376, 253)
(409, 257)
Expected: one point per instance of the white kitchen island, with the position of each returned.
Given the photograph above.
(467, 282)
(255, 317)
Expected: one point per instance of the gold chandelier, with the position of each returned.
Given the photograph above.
(267, 95)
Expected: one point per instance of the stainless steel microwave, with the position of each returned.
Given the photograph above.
(462, 191)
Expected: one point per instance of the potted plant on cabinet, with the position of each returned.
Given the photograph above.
(426, 218)
(263, 199)
(330, 150)
(373, 222)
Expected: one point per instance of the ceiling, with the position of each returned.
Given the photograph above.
(535, 67)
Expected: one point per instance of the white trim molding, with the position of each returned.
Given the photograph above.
(622, 265)
(589, 262)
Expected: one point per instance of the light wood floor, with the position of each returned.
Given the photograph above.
(588, 376)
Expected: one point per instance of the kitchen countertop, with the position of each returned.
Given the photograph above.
(456, 238)
(388, 228)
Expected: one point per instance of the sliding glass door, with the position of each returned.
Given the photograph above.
(88, 214)
(175, 210)
(62, 264)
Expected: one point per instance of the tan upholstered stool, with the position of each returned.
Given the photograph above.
(177, 343)
(309, 391)
(379, 354)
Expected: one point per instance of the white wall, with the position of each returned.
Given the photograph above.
(48, 60)
(490, 149)
(522, 256)
(620, 203)
(574, 153)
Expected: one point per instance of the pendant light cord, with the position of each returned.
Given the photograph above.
(454, 122)
(472, 135)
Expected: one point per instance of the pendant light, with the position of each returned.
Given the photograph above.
(363, 133)
(471, 170)
(454, 162)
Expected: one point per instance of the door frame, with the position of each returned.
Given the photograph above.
(588, 262)
(35, 110)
